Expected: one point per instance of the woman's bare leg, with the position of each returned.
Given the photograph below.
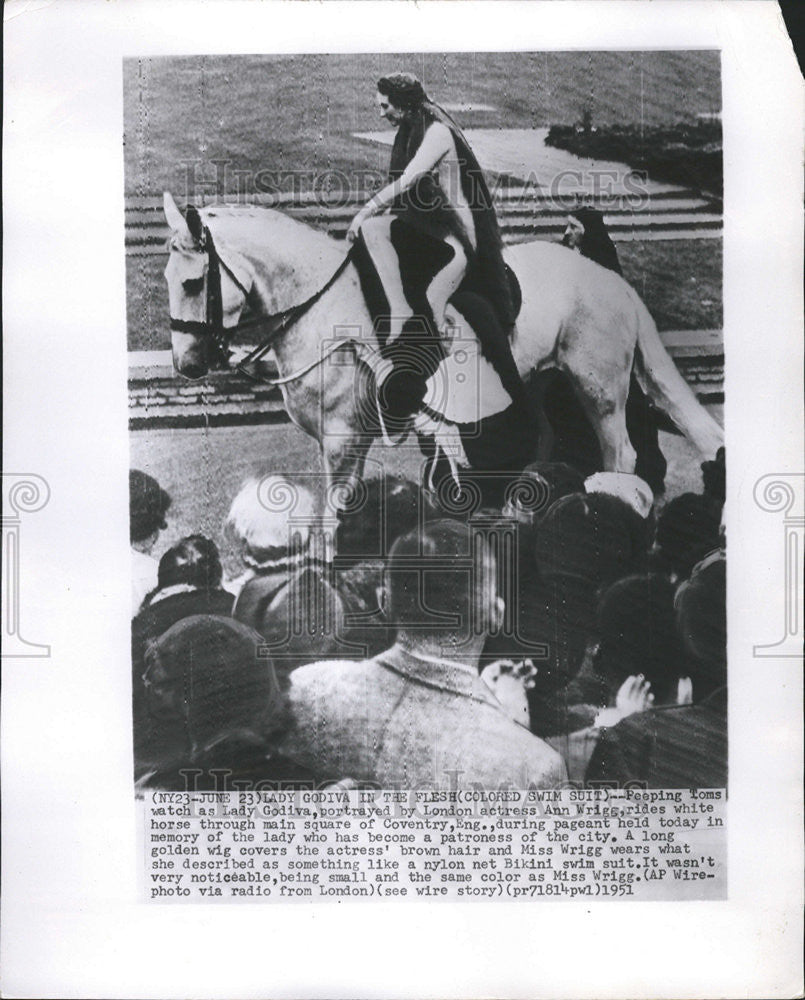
(377, 237)
(446, 282)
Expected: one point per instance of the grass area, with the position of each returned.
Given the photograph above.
(147, 313)
(679, 280)
(268, 116)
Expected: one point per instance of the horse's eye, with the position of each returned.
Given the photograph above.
(193, 286)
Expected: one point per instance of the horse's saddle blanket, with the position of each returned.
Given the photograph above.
(465, 388)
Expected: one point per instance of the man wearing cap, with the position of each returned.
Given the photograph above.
(212, 712)
(287, 593)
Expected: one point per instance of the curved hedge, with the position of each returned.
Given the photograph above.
(689, 154)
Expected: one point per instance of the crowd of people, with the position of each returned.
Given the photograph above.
(575, 633)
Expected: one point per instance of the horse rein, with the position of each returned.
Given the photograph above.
(283, 321)
(278, 323)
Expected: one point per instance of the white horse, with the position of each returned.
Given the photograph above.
(576, 316)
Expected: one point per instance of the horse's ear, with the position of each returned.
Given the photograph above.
(194, 223)
(174, 216)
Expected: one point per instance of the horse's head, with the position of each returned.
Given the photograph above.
(206, 297)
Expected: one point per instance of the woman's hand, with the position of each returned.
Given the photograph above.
(355, 225)
(634, 695)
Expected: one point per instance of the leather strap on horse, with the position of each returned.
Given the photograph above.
(282, 321)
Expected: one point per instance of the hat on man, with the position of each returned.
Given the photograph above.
(595, 538)
(208, 677)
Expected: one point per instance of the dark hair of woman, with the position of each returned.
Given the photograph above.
(194, 561)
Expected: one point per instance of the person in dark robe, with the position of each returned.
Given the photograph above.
(441, 235)
(576, 441)
(587, 232)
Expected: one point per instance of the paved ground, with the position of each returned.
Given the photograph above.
(203, 469)
(522, 153)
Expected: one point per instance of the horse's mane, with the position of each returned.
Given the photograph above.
(293, 258)
(270, 228)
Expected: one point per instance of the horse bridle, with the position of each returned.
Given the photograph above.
(213, 324)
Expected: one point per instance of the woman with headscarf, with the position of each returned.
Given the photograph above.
(587, 233)
(443, 223)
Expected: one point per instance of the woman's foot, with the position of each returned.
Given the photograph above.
(447, 332)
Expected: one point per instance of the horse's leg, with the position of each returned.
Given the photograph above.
(603, 398)
(545, 434)
(344, 456)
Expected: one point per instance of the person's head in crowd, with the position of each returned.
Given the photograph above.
(441, 590)
(714, 477)
(270, 519)
(207, 685)
(148, 504)
(627, 487)
(527, 496)
(587, 233)
(688, 528)
(384, 509)
(636, 635)
(194, 562)
(594, 539)
(562, 480)
(701, 612)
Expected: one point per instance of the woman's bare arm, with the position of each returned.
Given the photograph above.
(437, 142)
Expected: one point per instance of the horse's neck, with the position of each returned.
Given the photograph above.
(287, 260)
(340, 314)
(281, 284)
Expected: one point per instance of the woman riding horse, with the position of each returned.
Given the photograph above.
(441, 214)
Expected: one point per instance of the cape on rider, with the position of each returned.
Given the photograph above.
(443, 212)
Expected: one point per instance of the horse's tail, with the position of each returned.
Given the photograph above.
(661, 380)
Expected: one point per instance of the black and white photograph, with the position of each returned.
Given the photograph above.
(387, 384)
(426, 380)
